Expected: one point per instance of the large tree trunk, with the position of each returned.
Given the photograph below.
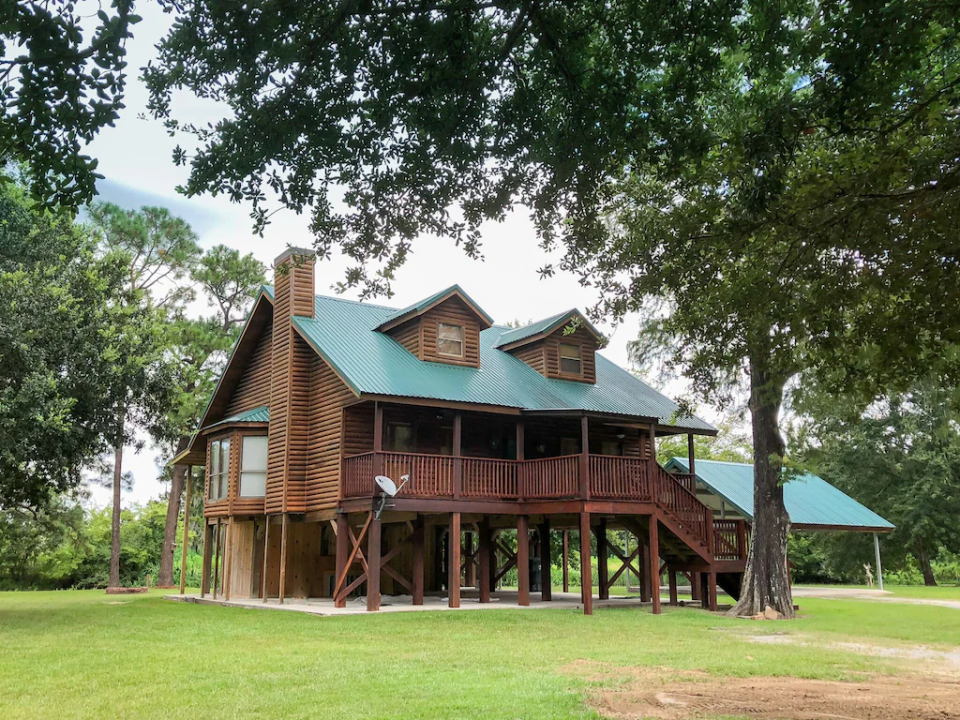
(177, 484)
(766, 579)
(923, 559)
(115, 529)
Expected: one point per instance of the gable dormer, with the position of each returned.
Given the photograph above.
(562, 347)
(443, 328)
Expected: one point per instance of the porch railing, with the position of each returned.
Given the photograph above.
(730, 539)
(556, 477)
(612, 476)
(683, 506)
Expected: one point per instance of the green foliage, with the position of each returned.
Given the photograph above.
(58, 90)
(730, 445)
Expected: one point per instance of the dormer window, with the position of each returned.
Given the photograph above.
(571, 362)
(450, 340)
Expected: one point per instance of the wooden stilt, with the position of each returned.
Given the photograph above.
(712, 591)
(283, 556)
(343, 552)
(453, 562)
(586, 572)
(546, 582)
(566, 561)
(418, 529)
(469, 568)
(216, 562)
(207, 558)
(672, 579)
(603, 568)
(654, 543)
(228, 559)
(695, 586)
(644, 571)
(186, 533)
(264, 581)
(373, 565)
(484, 572)
(523, 561)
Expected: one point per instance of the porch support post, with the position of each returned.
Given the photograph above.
(712, 590)
(603, 570)
(343, 554)
(585, 458)
(469, 567)
(876, 552)
(690, 459)
(586, 573)
(377, 439)
(484, 553)
(644, 569)
(283, 555)
(264, 580)
(228, 559)
(457, 461)
(418, 560)
(453, 561)
(373, 564)
(655, 564)
(672, 579)
(523, 561)
(546, 584)
(521, 475)
(186, 533)
(566, 561)
(216, 562)
(695, 587)
(207, 557)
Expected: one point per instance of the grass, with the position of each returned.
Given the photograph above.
(76, 655)
(941, 592)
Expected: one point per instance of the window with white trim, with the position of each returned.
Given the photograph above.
(253, 466)
(219, 469)
(571, 362)
(450, 340)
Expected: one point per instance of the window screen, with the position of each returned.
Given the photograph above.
(219, 469)
(450, 340)
(253, 467)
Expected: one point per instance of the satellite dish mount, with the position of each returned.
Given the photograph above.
(388, 489)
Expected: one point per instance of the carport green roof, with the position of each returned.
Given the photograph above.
(812, 503)
(344, 333)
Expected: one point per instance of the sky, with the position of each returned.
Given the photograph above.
(136, 159)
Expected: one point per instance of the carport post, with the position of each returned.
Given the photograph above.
(876, 551)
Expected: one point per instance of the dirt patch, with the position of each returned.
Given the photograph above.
(908, 652)
(677, 695)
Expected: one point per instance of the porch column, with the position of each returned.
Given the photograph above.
(378, 440)
(876, 551)
(690, 459)
(484, 552)
(546, 584)
(566, 561)
(695, 587)
(216, 562)
(712, 590)
(603, 570)
(453, 561)
(266, 566)
(457, 461)
(207, 557)
(470, 564)
(644, 570)
(186, 532)
(672, 579)
(523, 561)
(655, 564)
(284, 521)
(521, 489)
(418, 560)
(585, 458)
(228, 559)
(586, 573)
(343, 554)
(373, 564)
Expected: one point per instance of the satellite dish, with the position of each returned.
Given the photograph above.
(386, 484)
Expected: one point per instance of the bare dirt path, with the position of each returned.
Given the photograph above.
(827, 593)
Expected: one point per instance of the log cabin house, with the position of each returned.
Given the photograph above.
(527, 429)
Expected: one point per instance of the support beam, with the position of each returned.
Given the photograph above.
(566, 561)
(485, 552)
(672, 579)
(585, 458)
(207, 558)
(264, 579)
(523, 561)
(654, 543)
(284, 521)
(876, 551)
(186, 533)
(418, 530)
(586, 573)
(712, 591)
(457, 459)
(603, 568)
(228, 560)
(216, 562)
(343, 552)
(373, 564)
(546, 582)
(469, 565)
(377, 439)
(644, 569)
(690, 455)
(696, 587)
(453, 562)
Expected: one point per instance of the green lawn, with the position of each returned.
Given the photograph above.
(74, 654)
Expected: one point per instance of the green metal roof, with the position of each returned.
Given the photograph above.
(544, 326)
(421, 306)
(344, 334)
(257, 415)
(810, 500)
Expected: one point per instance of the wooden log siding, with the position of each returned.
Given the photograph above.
(544, 355)
(328, 396)
(408, 335)
(452, 311)
(533, 355)
(253, 389)
(357, 429)
(279, 395)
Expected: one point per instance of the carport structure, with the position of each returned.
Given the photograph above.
(813, 504)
